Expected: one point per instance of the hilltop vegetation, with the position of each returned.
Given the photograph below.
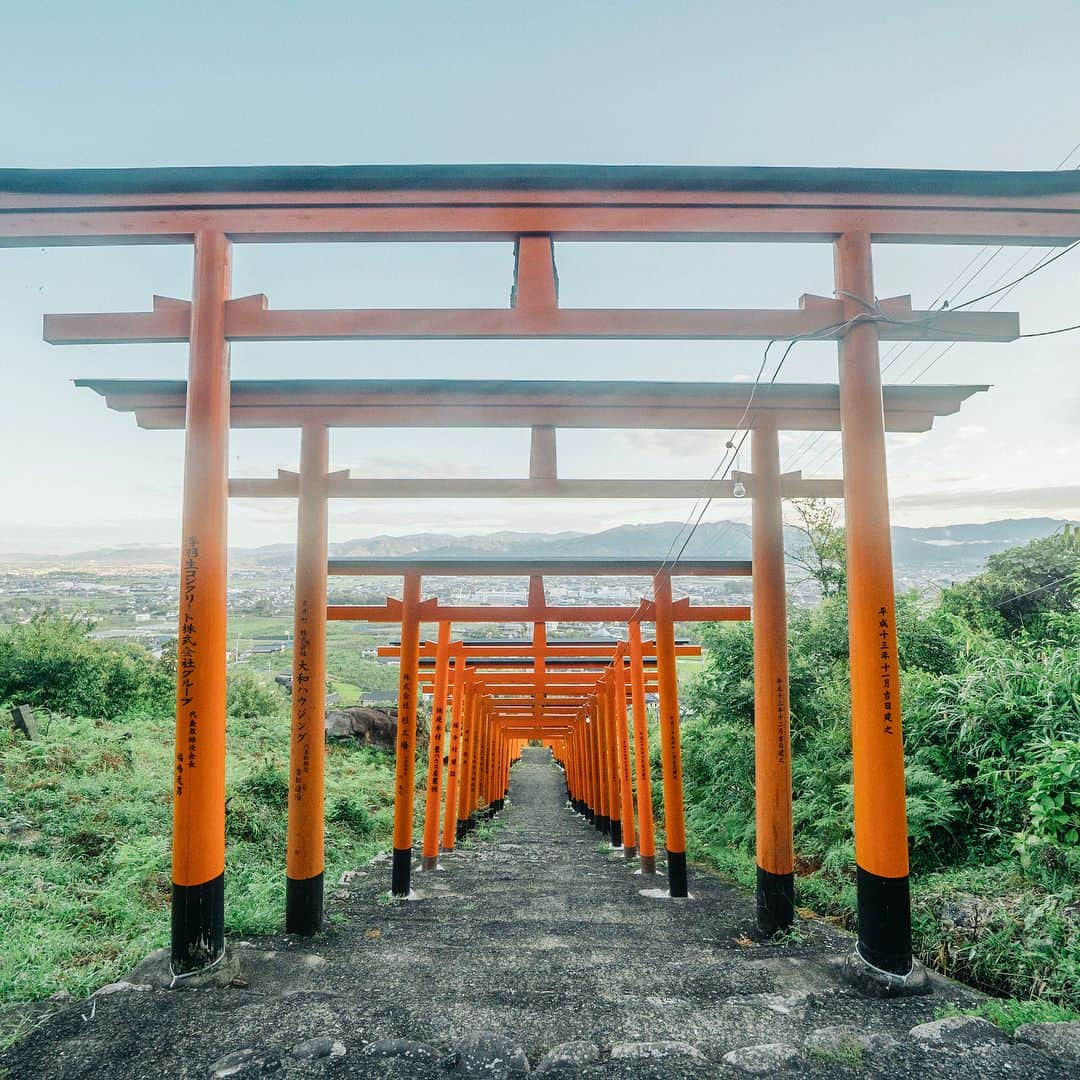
(991, 700)
(86, 810)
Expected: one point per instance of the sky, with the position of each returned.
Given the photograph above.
(986, 85)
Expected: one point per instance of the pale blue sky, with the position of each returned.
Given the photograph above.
(960, 85)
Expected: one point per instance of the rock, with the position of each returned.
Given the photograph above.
(22, 719)
(567, 1059)
(487, 1054)
(153, 971)
(958, 1031)
(1060, 1040)
(372, 727)
(661, 1049)
(840, 1039)
(764, 1059)
(246, 1062)
(121, 987)
(417, 1052)
(319, 1047)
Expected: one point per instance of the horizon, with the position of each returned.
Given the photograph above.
(166, 547)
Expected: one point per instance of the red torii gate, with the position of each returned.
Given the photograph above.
(318, 405)
(662, 611)
(536, 206)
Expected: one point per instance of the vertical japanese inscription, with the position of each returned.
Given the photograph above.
(302, 690)
(186, 664)
(781, 722)
(887, 672)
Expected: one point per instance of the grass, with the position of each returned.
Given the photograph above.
(1009, 1013)
(85, 833)
(849, 1054)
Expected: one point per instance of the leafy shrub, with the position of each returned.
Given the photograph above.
(248, 696)
(350, 811)
(990, 684)
(1053, 780)
(52, 662)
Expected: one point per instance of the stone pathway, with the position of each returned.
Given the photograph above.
(531, 951)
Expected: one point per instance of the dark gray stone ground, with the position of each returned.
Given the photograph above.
(530, 951)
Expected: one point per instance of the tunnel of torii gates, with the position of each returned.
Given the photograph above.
(578, 709)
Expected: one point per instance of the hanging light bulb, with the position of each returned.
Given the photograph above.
(739, 490)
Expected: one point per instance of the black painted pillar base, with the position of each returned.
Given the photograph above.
(603, 823)
(304, 905)
(401, 874)
(648, 865)
(676, 874)
(630, 852)
(430, 862)
(460, 829)
(616, 832)
(198, 925)
(884, 910)
(590, 815)
(775, 902)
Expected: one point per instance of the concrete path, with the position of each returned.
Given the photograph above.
(531, 950)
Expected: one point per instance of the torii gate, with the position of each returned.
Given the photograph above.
(317, 405)
(535, 207)
(662, 611)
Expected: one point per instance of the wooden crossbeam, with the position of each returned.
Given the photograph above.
(569, 202)
(250, 318)
(286, 486)
(433, 611)
(397, 565)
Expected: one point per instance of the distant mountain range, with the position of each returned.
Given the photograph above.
(935, 553)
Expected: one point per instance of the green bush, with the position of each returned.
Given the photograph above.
(249, 696)
(52, 662)
(1053, 780)
(990, 685)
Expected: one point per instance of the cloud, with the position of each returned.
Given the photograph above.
(1063, 498)
(674, 443)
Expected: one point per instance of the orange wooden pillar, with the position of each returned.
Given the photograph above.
(453, 765)
(470, 704)
(483, 726)
(569, 760)
(603, 817)
(436, 740)
(405, 765)
(198, 863)
(772, 734)
(622, 736)
(578, 795)
(881, 848)
(607, 713)
(592, 740)
(304, 851)
(582, 773)
(671, 751)
(643, 775)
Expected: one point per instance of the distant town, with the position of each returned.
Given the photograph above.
(131, 594)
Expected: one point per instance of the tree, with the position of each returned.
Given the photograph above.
(823, 557)
(1021, 586)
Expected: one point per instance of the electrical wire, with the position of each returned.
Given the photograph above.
(721, 471)
(877, 315)
(1050, 333)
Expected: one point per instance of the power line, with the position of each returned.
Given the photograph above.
(1042, 264)
(1050, 333)
(873, 315)
(1032, 592)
